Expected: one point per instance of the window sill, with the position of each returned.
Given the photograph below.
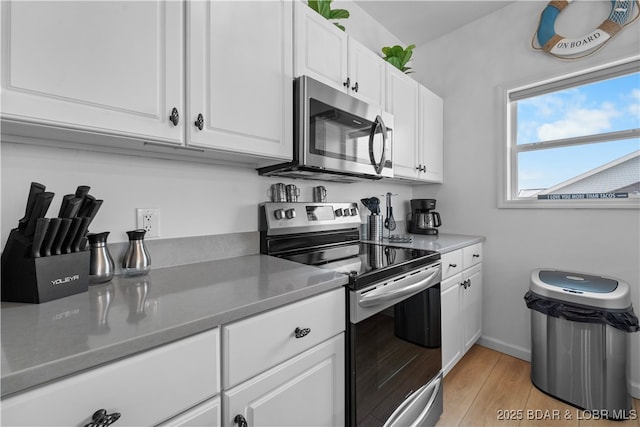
(631, 203)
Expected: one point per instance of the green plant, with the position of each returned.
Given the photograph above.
(398, 57)
(323, 7)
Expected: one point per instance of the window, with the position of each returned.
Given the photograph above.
(575, 142)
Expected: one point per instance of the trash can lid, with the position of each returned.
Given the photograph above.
(580, 288)
(578, 281)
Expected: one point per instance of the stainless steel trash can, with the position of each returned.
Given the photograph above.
(579, 339)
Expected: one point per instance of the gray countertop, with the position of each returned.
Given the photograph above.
(44, 342)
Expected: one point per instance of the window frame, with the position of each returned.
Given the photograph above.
(509, 149)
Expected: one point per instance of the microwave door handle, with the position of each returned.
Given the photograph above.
(417, 398)
(378, 123)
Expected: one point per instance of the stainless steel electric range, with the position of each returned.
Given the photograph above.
(394, 366)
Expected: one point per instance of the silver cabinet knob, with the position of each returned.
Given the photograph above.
(279, 213)
(290, 213)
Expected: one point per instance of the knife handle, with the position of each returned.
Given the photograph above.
(67, 246)
(35, 189)
(82, 230)
(52, 231)
(71, 208)
(56, 247)
(42, 224)
(93, 210)
(87, 201)
(63, 204)
(82, 191)
(40, 207)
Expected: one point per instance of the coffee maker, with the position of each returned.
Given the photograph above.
(423, 219)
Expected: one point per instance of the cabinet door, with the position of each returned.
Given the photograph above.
(472, 305)
(320, 48)
(307, 390)
(366, 73)
(240, 77)
(451, 322)
(402, 102)
(112, 67)
(431, 136)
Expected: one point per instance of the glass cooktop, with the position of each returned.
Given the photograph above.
(366, 262)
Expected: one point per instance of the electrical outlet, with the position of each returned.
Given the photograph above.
(149, 219)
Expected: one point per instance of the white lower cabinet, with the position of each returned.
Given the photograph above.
(461, 300)
(307, 390)
(286, 367)
(145, 389)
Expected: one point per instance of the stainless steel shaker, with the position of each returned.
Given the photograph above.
(101, 265)
(136, 261)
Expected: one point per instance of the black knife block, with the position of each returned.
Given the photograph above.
(38, 280)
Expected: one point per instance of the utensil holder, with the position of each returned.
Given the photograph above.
(42, 279)
(375, 227)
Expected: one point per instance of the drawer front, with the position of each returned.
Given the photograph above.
(205, 414)
(256, 344)
(472, 255)
(145, 389)
(451, 263)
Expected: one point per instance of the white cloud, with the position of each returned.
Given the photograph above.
(579, 121)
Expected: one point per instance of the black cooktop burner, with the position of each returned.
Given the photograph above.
(365, 263)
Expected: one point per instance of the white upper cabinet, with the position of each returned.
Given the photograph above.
(109, 67)
(366, 74)
(240, 77)
(430, 140)
(402, 102)
(327, 54)
(320, 48)
(418, 131)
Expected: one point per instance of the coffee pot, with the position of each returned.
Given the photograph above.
(423, 219)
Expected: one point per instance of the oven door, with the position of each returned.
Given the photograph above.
(337, 132)
(394, 352)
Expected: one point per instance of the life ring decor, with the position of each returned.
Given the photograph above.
(623, 13)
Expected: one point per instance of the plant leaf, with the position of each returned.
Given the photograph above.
(338, 14)
(313, 4)
(324, 8)
(339, 26)
(395, 62)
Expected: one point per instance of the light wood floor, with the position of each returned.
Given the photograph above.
(486, 384)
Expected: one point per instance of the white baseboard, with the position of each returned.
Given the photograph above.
(503, 347)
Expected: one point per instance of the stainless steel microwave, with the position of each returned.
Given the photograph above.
(336, 137)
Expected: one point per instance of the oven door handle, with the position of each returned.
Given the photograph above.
(430, 391)
(397, 290)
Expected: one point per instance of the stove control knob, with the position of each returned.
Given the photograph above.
(338, 212)
(290, 213)
(354, 211)
(279, 213)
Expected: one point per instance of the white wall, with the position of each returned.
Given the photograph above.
(466, 67)
(195, 199)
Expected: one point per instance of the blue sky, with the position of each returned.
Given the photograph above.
(606, 106)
